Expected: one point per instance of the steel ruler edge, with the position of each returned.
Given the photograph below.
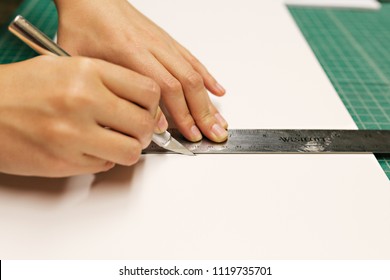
(296, 141)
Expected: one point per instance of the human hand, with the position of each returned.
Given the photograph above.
(115, 31)
(55, 113)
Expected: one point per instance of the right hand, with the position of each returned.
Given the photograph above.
(63, 116)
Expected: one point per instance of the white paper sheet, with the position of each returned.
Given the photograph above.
(218, 206)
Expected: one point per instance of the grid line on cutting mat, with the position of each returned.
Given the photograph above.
(353, 47)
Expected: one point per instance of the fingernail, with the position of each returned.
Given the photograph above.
(220, 88)
(220, 132)
(221, 120)
(162, 124)
(196, 135)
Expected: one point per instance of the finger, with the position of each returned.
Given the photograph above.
(79, 163)
(130, 85)
(210, 82)
(125, 117)
(195, 94)
(162, 123)
(172, 94)
(217, 115)
(112, 146)
(91, 164)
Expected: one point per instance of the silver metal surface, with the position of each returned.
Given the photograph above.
(166, 141)
(35, 38)
(42, 44)
(247, 141)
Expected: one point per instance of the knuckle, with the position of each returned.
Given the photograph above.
(193, 60)
(205, 118)
(185, 120)
(134, 46)
(84, 64)
(74, 96)
(78, 98)
(172, 85)
(193, 80)
(59, 132)
(153, 89)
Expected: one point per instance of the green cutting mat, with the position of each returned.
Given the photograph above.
(352, 46)
(41, 13)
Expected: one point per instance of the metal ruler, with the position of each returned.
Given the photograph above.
(256, 141)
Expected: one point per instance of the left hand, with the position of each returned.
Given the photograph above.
(115, 31)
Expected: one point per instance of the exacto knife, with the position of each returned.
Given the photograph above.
(42, 44)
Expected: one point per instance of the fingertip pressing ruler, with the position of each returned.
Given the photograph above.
(269, 141)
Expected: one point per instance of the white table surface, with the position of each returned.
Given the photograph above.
(218, 206)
